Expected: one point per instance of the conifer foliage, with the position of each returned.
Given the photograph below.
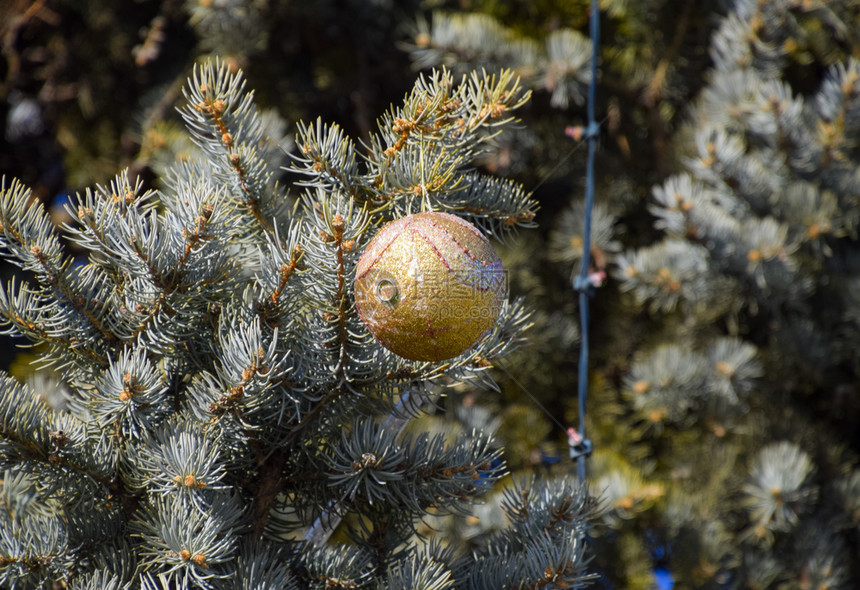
(724, 406)
(218, 391)
(749, 274)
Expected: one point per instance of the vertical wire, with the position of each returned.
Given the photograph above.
(584, 292)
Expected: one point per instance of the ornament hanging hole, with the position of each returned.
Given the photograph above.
(386, 291)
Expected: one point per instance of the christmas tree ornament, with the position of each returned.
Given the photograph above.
(429, 286)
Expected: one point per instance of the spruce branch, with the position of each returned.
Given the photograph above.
(337, 350)
(225, 124)
(54, 491)
(675, 384)
(371, 465)
(60, 439)
(220, 385)
(779, 490)
(544, 546)
(156, 283)
(687, 209)
(665, 274)
(328, 156)
(823, 557)
(28, 236)
(838, 105)
(735, 368)
(419, 573)
(566, 240)
(185, 545)
(98, 580)
(264, 565)
(33, 552)
(319, 564)
(425, 147)
(506, 336)
(768, 253)
(229, 28)
(281, 260)
(421, 156)
(485, 201)
(102, 215)
(566, 73)
(55, 310)
(255, 379)
(464, 41)
(626, 493)
(178, 458)
(812, 214)
(130, 397)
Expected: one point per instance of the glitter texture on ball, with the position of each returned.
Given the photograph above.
(429, 286)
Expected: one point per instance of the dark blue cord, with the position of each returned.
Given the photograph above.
(582, 283)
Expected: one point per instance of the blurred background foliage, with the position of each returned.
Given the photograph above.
(760, 491)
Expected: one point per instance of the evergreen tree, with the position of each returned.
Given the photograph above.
(728, 470)
(218, 393)
(723, 407)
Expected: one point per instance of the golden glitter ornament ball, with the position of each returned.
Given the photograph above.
(429, 286)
